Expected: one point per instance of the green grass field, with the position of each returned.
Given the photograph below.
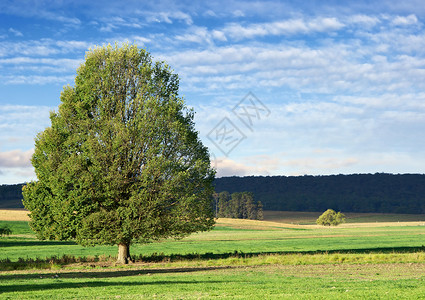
(274, 260)
(257, 282)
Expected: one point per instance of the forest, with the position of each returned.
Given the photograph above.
(366, 193)
(373, 193)
(11, 196)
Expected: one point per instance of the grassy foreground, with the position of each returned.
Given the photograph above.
(274, 260)
(256, 282)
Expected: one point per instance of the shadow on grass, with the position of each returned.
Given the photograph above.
(363, 250)
(21, 243)
(177, 257)
(59, 284)
(48, 263)
(89, 284)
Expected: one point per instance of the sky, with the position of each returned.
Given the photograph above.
(278, 87)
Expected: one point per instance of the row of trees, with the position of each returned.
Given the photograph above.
(238, 205)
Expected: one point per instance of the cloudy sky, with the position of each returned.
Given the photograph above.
(279, 88)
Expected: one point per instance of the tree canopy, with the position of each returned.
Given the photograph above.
(122, 161)
(331, 217)
(238, 206)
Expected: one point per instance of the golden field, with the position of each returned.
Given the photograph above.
(14, 215)
(276, 220)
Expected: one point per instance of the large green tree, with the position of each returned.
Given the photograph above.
(121, 161)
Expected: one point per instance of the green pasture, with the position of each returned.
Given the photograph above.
(253, 282)
(18, 228)
(228, 240)
(376, 262)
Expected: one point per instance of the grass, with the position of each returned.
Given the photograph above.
(230, 235)
(18, 227)
(400, 281)
(360, 239)
(274, 259)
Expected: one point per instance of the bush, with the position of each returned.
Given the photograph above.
(5, 230)
(330, 217)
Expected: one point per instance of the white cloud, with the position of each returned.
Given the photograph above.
(182, 16)
(325, 24)
(47, 11)
(364, 20)
(73, 45)
(238, 13)
(209, 13)
(343, 134)
(196, 35)
(17, 175)
(402, 102)
(403, 21)
(318, 165)
(19, 125)
(286, 27)
(43, 47)
(36, 80)
(64, 63)
(218, 35)
(111, 24)
(140, 40)
(330, 68)
(15, 32)
(344, 163)
(16, 159)
(228, 167)
(168, 17)
(238, 31)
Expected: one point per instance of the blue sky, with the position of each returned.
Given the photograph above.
(279, 87)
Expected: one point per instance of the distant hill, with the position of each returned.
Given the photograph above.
(11, 196)
(368, 193)
(377, 193)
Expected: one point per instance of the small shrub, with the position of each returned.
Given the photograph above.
(5, 230)
(331, 218)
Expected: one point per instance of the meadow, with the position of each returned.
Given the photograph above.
(285, 256)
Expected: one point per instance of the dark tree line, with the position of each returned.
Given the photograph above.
(368, 193)
(11, 196)
(238, 206)
(373, 193)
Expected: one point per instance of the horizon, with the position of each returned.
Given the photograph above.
(305, 175)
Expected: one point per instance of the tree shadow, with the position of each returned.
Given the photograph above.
(206, 256)
(90, 284)
(106, 274)
(21, 243)
(155, 258)
(366, 250)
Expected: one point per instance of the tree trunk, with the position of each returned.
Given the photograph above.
(123, 253)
